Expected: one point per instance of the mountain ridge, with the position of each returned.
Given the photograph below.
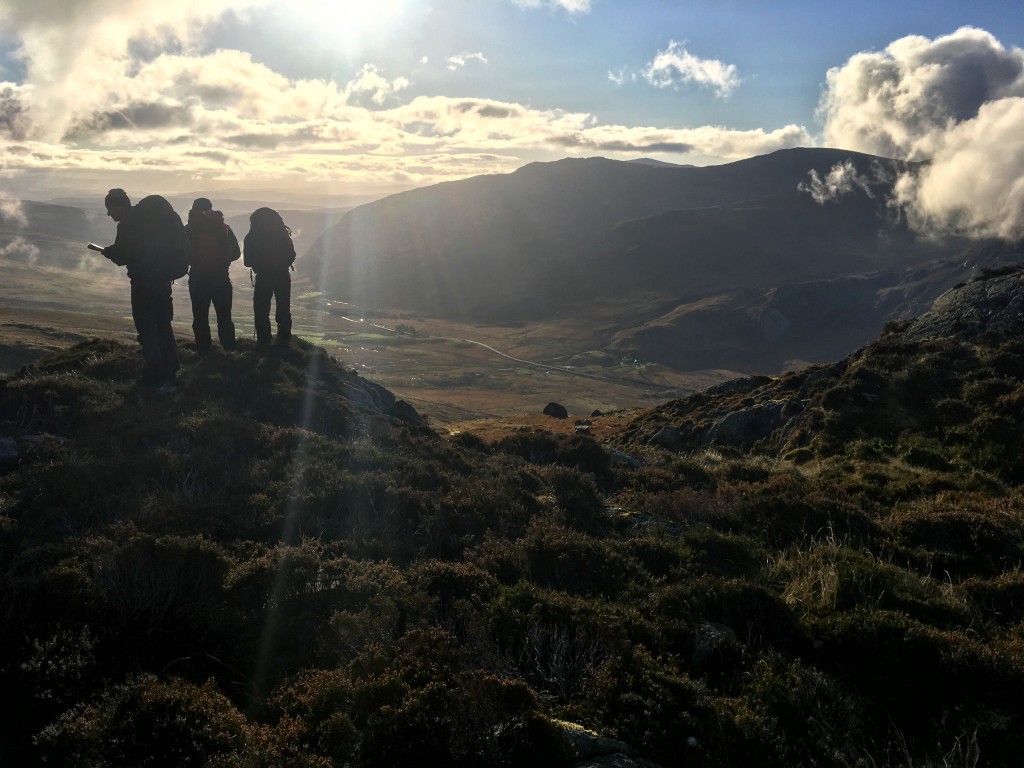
(582, 234)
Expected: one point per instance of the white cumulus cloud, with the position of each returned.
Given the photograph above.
(676, 67)
(955, 103)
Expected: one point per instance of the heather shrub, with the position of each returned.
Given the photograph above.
(579, 501)
(812, 718)
(754, 616)
(787, 510)
(635, 699)
(452, 583)
(923, 680)
(148, 722)
(723, 554)
(999, 599)
(164, 596)
(575, 451)
(479, 720)
(960, 535)
(312, 716)
(563, 559)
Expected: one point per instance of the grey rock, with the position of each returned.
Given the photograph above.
(745, 384)
(741, 429)
(586, 745)
(667, 437)
(618, 457)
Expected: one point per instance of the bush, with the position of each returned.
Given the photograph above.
(148, 722)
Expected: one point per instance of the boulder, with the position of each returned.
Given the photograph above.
(556, 410)
(741, 429)
(667, 437)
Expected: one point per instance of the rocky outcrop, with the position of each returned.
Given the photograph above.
(992, 304)
(588, 749)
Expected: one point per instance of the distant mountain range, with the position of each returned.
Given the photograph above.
(731, 266)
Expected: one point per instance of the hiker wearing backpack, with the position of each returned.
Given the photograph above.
(269, 253)
(212, 248)
(151, 242)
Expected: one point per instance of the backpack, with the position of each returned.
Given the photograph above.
(208, 239)
(165, 243)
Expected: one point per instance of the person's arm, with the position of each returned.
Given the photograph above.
(290, 249)
(123, 249)
(233, 250)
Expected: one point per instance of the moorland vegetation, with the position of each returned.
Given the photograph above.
(268, 570)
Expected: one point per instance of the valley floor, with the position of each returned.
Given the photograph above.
(450, 372)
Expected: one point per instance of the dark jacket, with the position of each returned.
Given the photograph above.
(140, 240)
(212, 245)
(269, 250)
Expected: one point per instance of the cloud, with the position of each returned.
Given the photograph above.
(11, 212)
(842, 179)
(974, 184)
(460, 60)
(572, 6)
(13, 117)
(114, 90)
(675, 67)
(954, 102)
(20, 249)
(75, 52)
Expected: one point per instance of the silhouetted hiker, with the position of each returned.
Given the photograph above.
(269, 252)
(212, 248)
(151, 242)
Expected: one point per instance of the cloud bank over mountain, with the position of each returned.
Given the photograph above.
(955, 102)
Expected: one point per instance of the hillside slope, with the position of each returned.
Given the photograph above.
(639, 247)
(281, 566)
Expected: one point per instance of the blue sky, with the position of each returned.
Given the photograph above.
(348, 96)
(559, 60)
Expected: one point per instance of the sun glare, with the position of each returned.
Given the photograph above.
(352, 17)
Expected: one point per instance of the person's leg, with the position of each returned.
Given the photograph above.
(283, 313)
(222, 305)
(144, 313)
(200, 294)
(261, 295)
(169, 364)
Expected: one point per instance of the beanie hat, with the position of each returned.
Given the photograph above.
(117, 197)
(202, 204)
